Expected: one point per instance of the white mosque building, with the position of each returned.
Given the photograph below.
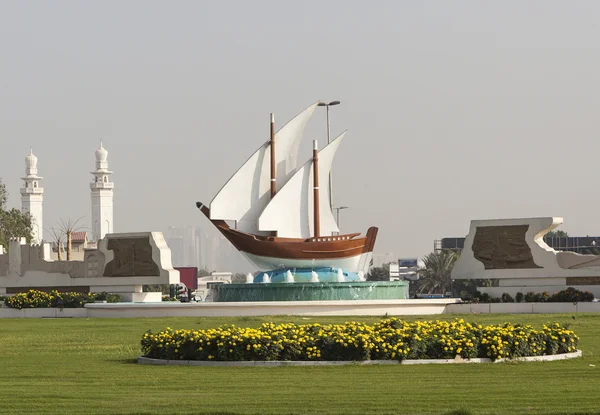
(32, 197)
(102, 197)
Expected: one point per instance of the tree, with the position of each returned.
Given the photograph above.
(238, 278)
(13, 222)
(203, 272)
(3, 195)
(435, 277)
(556, 234)
(381, 273)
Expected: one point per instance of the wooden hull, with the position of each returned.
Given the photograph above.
(350, 252)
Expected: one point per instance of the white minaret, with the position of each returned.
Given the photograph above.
(102, 197)
(32, 197)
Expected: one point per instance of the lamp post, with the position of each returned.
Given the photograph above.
(330, 104)
(337, 214)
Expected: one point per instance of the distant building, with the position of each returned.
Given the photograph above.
(579, 244)
(79, 243)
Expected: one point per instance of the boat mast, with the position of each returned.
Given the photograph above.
(273, 162)
(317, 219)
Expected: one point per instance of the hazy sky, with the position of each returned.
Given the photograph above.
(456, 110)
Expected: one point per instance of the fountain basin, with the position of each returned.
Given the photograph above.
(309, 291)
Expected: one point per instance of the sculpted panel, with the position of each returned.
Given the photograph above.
(503, 247)
(132, 258)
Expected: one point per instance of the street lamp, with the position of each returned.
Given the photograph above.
(324, 104)
(337, 214)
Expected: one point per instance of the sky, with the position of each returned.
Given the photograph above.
(455, 110)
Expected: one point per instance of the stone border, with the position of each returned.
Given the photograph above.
(148, 361)
(43, 312)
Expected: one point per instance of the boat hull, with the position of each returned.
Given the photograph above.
(354, 263)
(350, 252)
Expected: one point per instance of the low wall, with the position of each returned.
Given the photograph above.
(300, 308)
(522, 308)
(43, 313)
(272, 308)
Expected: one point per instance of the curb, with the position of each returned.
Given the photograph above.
(457, 360)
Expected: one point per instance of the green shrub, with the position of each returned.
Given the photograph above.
(565, 296)
(571, 295)
(55, 299)
(390, 339)
(108, 297)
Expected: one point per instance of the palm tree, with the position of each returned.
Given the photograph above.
(435, 277)
(58, 239)
(68, 228)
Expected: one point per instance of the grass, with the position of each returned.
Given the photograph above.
(88, 366)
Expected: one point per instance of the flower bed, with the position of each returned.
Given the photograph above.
(54, 299)
(390, 339)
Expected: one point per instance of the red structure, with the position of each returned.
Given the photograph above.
(188, 276)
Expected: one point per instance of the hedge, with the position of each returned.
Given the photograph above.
(55, 299)
(386, 340)
(570, 295)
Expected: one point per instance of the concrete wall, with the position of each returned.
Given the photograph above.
(26, 267)
(522, 308)
(553, 270)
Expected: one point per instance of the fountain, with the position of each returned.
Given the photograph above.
(286, 222)
(320, 284)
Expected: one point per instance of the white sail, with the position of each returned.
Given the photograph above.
(247, 192)
(290, 213)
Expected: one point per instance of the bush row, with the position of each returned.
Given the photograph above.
(390, 339)
(565, 296)
(55, 299)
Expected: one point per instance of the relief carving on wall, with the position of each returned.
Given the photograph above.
(132, 258)
(503, 247)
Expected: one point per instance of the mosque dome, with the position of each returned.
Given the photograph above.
(31, 160)
(101, 154)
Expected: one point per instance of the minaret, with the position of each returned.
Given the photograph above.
(32, 197)
(102, 197)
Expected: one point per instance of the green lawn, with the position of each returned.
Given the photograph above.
(88, 366)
